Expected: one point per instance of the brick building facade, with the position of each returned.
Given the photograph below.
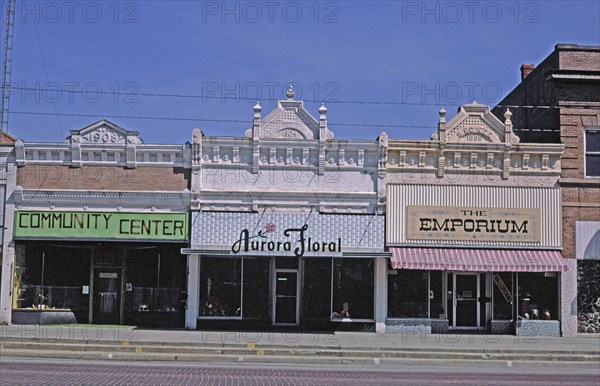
(93, 230)
(559, 101)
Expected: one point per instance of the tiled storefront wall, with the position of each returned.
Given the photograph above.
(588, 296)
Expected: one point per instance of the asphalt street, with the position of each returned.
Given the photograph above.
(31, 372)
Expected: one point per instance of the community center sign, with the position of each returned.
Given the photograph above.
(473, 224)
(101, 225)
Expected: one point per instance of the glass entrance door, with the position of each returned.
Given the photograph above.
(465, 313)
(107, 296)
(286, 297)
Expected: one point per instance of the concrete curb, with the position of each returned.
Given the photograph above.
(238, 348)
(295, 355)
(267, 358)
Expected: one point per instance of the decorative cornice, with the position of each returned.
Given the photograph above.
(105, 199)
(359, 203)
(533, 159)
(118, 155)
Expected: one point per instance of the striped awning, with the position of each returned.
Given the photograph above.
(482, 260)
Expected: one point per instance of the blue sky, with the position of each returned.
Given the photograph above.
(378, 65)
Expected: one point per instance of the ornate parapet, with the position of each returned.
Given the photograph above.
(101, 144)
(474, 147)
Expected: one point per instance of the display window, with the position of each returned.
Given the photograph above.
(256, 288)
(538, 295)
(51, 277)
(352, 289)
(317, 296)
(221, 288)
(415, 294)
(408, 292)
(155, 280)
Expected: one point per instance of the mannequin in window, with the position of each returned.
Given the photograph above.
(344, 313)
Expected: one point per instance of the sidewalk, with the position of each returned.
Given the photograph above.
(69, 341)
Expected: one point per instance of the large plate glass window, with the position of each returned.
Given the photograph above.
(154, 281)
(221, 287)
(538, 295)
(52, 276)
(415, 294)
(352, 287)
(408, 292)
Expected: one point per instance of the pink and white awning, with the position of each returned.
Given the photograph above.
(482, 260)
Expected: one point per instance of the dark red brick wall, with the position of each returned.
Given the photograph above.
(579, 60)
(572, 126)
(102, 178)
(531, 124)
(580, 196)
(579, 204)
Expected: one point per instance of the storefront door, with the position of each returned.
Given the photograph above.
(465, 304)
(285, 299)
(107, 295)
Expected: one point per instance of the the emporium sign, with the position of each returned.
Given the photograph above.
(86, 225)
(473, 224)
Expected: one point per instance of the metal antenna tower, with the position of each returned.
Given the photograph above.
(7, 63)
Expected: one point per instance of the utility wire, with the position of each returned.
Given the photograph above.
(253, 100)
(249, 122)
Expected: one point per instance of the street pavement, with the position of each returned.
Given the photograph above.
(34, 372)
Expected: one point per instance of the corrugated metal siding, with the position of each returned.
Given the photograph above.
(546, 199)
(223, 228)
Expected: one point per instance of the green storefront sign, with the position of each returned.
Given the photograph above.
(101, 225)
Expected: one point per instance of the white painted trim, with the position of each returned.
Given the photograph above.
(193, 291)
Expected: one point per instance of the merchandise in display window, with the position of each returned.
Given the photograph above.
(538, 295)
(221, 287)
(155, 280)
(352, 289)
(51, 277)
